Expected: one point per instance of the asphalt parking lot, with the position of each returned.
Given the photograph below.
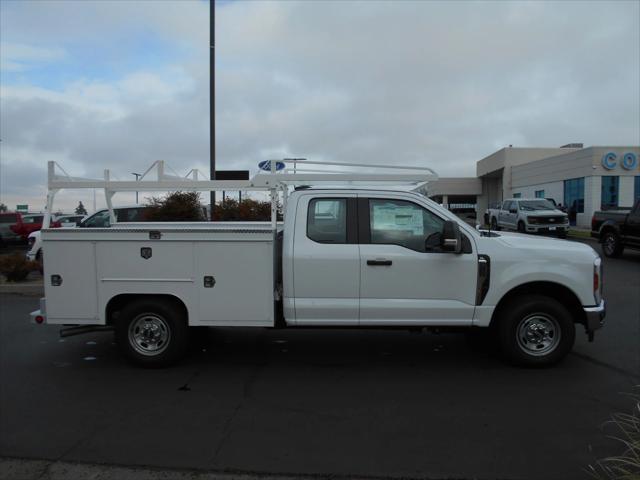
(321, 402)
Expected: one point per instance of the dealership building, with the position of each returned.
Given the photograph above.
(583, 180)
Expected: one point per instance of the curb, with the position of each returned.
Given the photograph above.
(23, 289)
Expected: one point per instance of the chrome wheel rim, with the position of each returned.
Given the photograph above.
(149, 334)
(538, 334)
(609, 244)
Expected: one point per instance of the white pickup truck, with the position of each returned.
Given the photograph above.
(343, 257)
(529, 215)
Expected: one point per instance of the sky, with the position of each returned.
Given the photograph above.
(119, 84)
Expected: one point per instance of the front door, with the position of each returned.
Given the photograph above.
(403, 281)
(326, 268)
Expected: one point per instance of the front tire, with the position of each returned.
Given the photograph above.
(494, 224)
(152, 332)
(521, 227)
(611, 245)
(536, 331)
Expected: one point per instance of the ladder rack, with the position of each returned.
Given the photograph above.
(295, 172)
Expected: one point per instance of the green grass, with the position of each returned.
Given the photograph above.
(579, 233)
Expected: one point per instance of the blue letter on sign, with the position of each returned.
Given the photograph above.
(629, 161)
(609, 160)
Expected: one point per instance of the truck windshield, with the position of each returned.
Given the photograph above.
(530, 205)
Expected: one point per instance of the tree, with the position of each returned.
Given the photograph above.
(175, 207)
(80, 210)
(3, 207)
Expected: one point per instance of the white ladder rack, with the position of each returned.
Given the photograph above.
(296, 171)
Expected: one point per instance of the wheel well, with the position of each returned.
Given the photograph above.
(550, 289)
(118, 302)
(606, 229)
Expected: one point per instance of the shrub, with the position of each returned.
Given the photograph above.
(175, 207)
(248, 210)
(16, 267)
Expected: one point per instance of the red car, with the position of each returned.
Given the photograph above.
(22, 225)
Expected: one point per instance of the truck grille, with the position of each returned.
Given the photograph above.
(559, 220)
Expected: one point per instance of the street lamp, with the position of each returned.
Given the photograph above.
(138, 175)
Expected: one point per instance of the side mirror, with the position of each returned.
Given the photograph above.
(451, 237)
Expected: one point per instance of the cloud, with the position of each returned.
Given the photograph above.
(436, 83)
(18, 57)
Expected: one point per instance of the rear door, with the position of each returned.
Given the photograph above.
(403, 282)
(326, 265)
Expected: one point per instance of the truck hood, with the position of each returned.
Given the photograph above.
(542, 245)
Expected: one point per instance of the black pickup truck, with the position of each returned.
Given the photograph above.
(617, 229)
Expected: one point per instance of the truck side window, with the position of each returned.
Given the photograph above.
(327, 220)
(403, 223)
(98, 220)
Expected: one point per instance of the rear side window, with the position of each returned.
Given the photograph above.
(327, 220)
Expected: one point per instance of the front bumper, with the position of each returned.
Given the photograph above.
(547, 228)
(595, 316)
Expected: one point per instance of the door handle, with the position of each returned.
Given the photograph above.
(378, 263)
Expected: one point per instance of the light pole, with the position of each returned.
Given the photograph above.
(138, 175)
(212, 102)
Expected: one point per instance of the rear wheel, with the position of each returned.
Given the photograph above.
(536, 331)
(611, 244)
(152, 332)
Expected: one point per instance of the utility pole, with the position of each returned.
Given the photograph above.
(212, 101)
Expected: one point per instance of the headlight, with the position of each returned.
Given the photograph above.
(597, 280)
(31, 241)
(532, 220)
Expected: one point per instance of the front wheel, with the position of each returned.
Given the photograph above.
(494, 224)
(521, 227)
(611, 244)
(152, 332)
(536, 331)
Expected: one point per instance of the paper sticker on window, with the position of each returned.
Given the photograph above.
(398, 218)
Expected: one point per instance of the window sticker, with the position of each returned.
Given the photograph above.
(397, 218)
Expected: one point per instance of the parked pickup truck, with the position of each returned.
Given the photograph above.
(617, 229)
(530, 215)
(343, 257)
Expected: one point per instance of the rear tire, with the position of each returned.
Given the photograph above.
(152, 332)
(611, 245)
(535, 331)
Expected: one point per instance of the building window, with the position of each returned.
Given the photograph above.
(636, 188)
(610, 188)
(574, 197)
(539, 193)
(517, 195)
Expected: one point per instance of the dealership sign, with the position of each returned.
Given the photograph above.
(629, 161)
